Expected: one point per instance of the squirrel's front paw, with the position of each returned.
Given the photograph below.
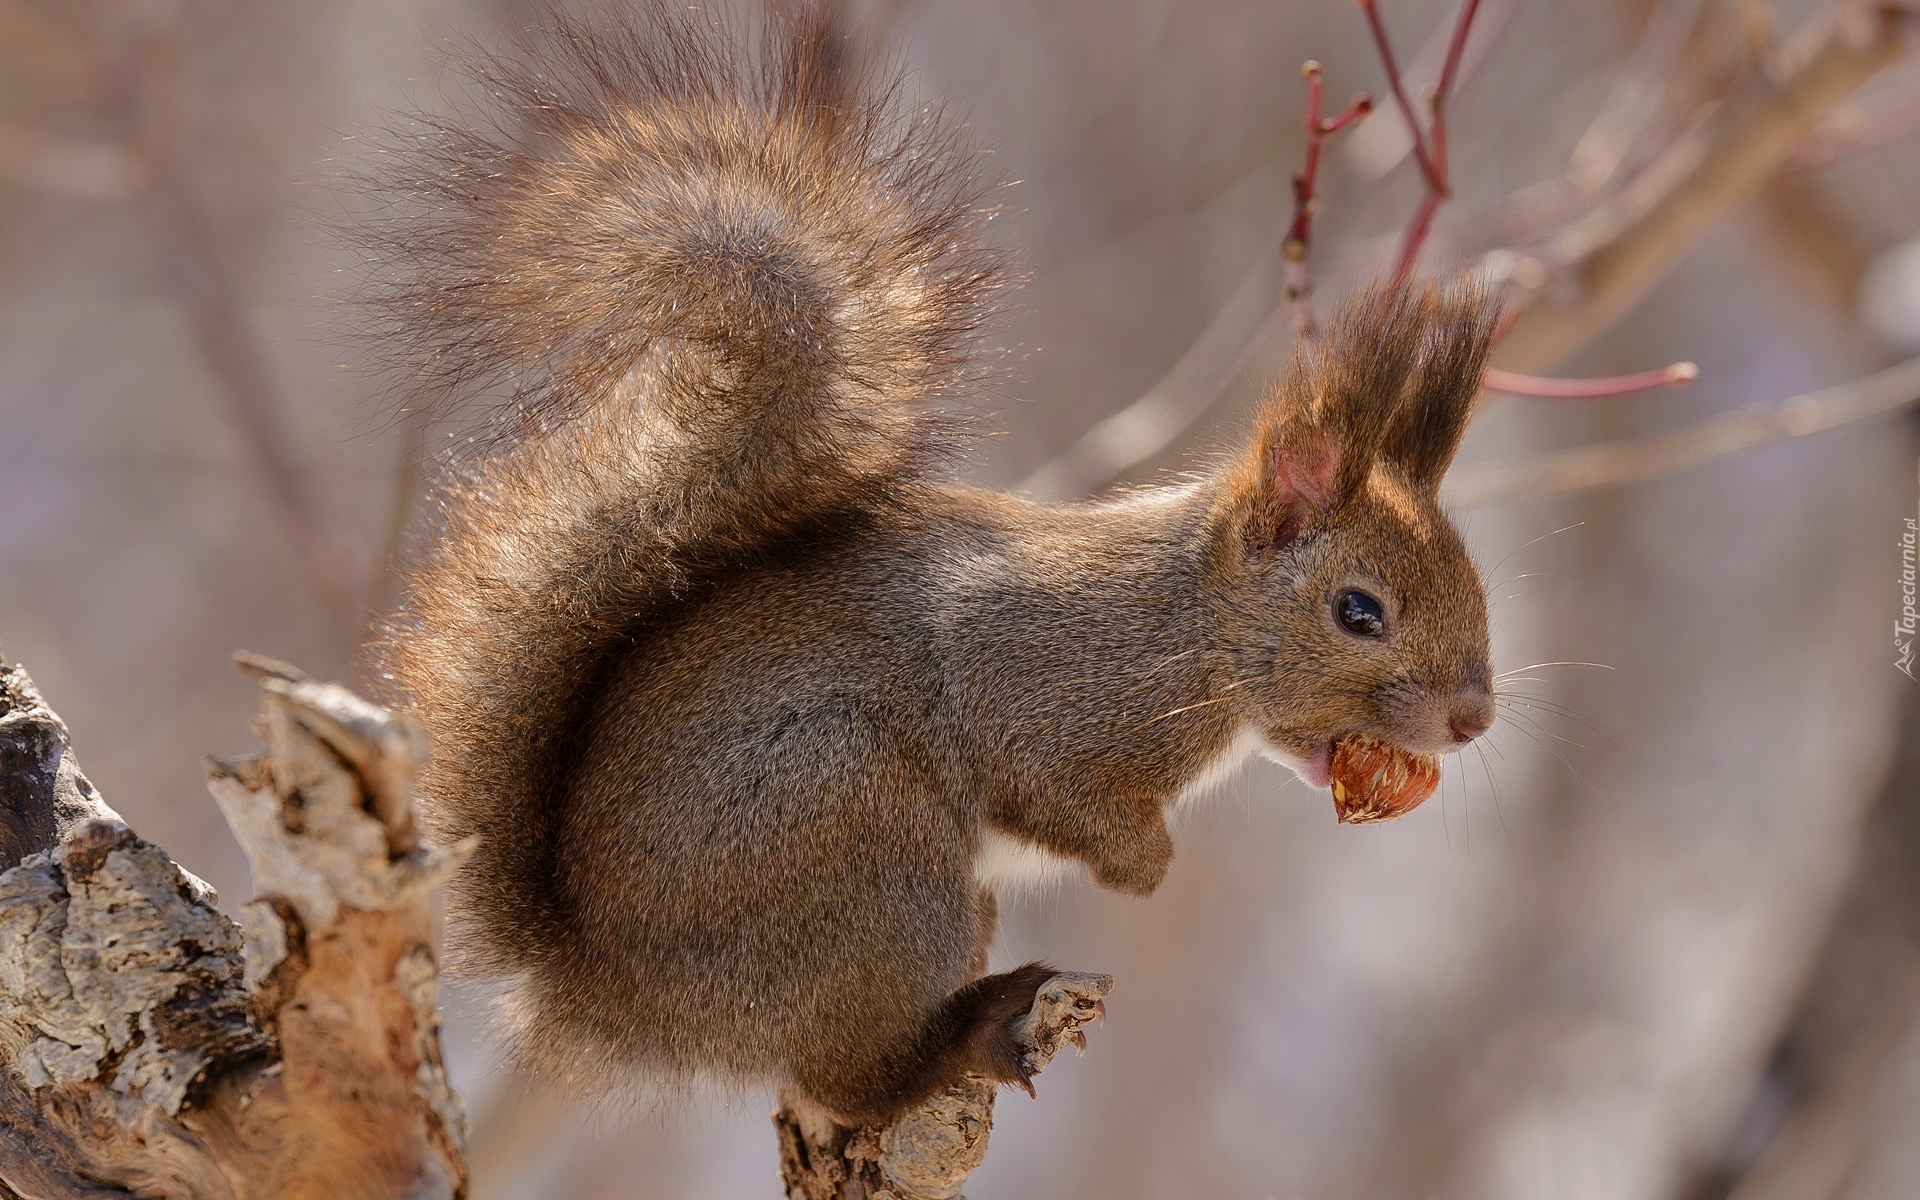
(1135, 862)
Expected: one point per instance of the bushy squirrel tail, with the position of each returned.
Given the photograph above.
(726, 287)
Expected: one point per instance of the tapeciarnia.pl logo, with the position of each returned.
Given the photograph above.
(1903, 629)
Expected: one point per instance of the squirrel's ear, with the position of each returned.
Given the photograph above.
(1433, 418)
(1292, 474)
(1321, 429)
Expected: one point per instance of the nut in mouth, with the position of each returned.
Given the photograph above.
(1377, 781)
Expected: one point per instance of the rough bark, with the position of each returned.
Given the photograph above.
(152, 1046)
(46, 795)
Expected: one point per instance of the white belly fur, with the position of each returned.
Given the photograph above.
(1011, 865)
(1222, 767)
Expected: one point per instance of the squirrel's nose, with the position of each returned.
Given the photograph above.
(1469, 714)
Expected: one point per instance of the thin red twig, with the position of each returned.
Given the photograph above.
(1303, 182)
(1416, 236)
(1299, 281)
(1677, 375)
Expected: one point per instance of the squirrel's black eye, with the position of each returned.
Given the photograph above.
(1361, 614)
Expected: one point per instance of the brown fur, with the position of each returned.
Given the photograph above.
(729, 684)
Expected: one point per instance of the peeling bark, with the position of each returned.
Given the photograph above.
(152, 1046)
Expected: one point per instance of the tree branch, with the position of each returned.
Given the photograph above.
(1429, 169)
(1889, 116)
(1752, 146)
(150, 1046)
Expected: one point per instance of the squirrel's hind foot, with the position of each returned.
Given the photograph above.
(1063, 1006)
(1011, 1025)
(1004, 1028)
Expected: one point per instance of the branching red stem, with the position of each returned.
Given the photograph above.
(1361, 106)
(1429, 145)
(1455, 50)
(1430, 152)
(1399, 89)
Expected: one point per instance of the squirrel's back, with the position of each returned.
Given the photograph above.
(728, 293)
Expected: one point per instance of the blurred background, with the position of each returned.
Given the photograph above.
(1662, 940)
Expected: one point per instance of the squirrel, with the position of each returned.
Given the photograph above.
(753, 709)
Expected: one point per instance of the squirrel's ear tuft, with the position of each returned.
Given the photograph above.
(1321, 429)
(1432, 421)
(820, 76)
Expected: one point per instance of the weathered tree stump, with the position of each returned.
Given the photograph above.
(151, 1046)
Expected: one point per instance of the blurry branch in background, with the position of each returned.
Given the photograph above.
(132, 82)
(1607, 239)
(1248, 321)
(1886, 118)
(244, 381)
(409, 481)
(1879, 395)
(1749, 147)
(1605, 149)
(78, 168)
(1830, 1098)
